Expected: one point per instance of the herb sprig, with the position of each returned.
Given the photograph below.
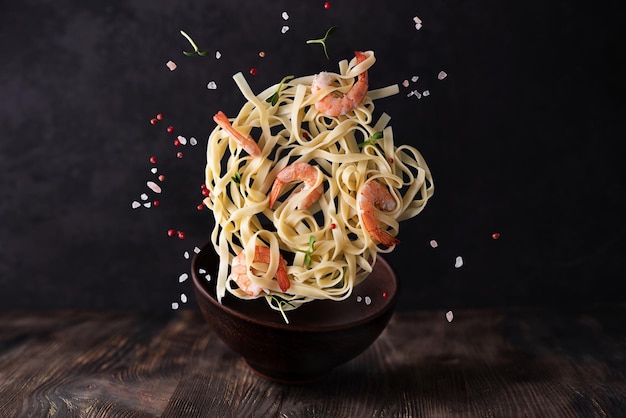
(280, 303)
(308, 252)
(372, 139)
(236, 178)
(196, 50)
(323, 40)
(273, 99)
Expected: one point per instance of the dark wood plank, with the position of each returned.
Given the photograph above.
(513, 363)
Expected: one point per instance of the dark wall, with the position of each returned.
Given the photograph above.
(524, 139)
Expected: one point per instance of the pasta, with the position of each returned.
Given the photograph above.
(326, 247)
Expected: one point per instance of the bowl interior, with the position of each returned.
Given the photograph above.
(371, 298)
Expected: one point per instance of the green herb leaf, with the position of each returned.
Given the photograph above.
(372, 139)
(195, 47)
(236, 178)
(273, 99)
(323, 40)
(308, 252)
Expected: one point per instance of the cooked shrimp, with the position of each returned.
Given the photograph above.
(374, 195)
(298, 171)
(336, 104)
(247, 143)
(239, 271)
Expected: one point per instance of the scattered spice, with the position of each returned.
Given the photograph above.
(495, 235)
(327, 5)
(170, 129)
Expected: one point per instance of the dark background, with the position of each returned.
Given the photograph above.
(524, 138)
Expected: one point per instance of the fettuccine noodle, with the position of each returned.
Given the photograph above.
(342, 253)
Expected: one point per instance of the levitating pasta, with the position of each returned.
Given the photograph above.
(306, 189)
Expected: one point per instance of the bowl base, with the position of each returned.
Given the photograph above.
(285, 378)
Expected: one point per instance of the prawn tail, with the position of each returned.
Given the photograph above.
(386, 238)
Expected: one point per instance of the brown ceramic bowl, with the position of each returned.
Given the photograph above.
(320, 336)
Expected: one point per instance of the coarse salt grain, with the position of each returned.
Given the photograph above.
(449, 316)
(359, 298)
(135, 204)
(154, 187)
(193, 141)
(183, 277)
(405, 83)
(426, 93)
(285, 16)
(208, 277)
(442, 75)
(284, 29)
(171, 65)
(174, 305)
(144, 196)
(415, 78)
(218, 55)
(368, 300)
(196, 250)
(418, 23)
(458, 262)
(182, 140)
(201, 271)
(147, 204)
(433, 243)
(186, 255)
(154, 170)
(183, 298)
(211, 85)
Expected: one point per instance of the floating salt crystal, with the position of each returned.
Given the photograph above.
(147, 204)
(174, 305)
(284, 29)
(458, 262)
(433, 243)
(144, 196)
(285, 16)
(208, 277)
(418, 23)
(183, 277)
(442, 75)
(411, 93)
(154, 187)
(418, 26)
(368, 300)
(359, 298)
(135, 204)
(212, 85)
(193, 141)
(182, 140)
(218, 55)
(415, 78)
(183, 298)
(196, 250)
(426, 93)
(171, 65)
(201, 271)
(449, 316)
(153, 170)
(186, 255)
(405, 83)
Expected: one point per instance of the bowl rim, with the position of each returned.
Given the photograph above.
(199, 285)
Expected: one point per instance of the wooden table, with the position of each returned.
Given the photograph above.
(509, 363)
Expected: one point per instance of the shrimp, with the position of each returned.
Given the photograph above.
(239, 271)
(336, 104)
(298, 171)
(247, 143)
(374, 195)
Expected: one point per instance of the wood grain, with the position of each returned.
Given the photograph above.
(510, 363)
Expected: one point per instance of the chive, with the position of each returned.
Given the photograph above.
(236, 178)
(195, 47)
(279, 304)
(323, 40)
(274, 98)
(308, 252)
(372, 139)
